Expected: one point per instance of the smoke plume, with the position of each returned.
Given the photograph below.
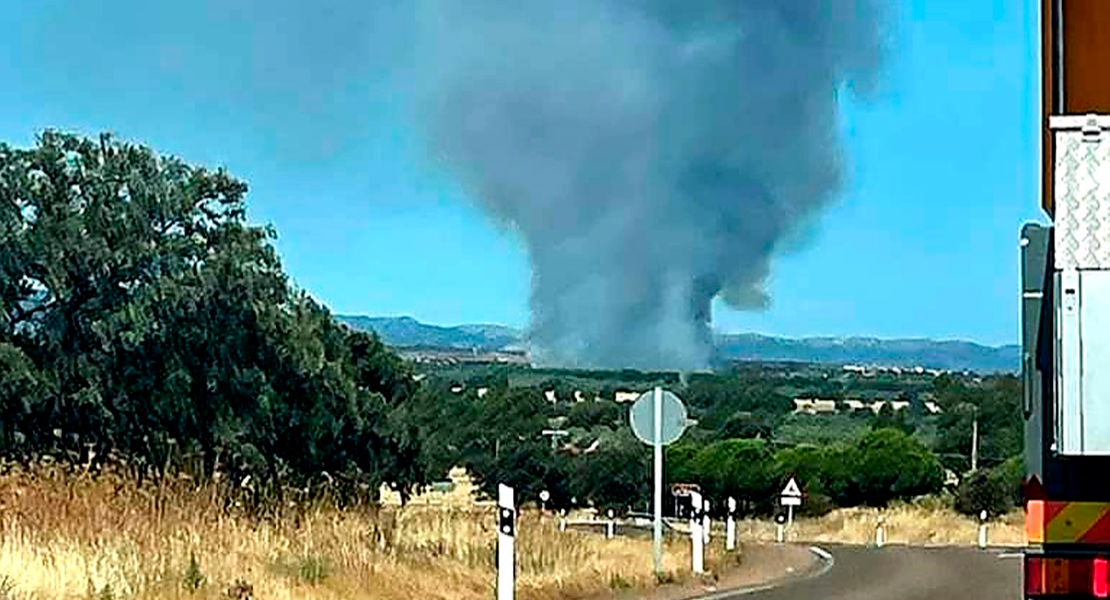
(652, 154)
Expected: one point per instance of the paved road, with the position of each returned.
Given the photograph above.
(900, 573)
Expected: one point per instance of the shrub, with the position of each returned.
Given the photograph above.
(996, 490)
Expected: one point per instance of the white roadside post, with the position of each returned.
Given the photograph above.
(563, 520)
(544, 497)
(609, 525)
(706, 524)
(880, 535)
(696, 536)
(506, 525)
(779, 520)
(658, 418)
(730, 526)
(983, 529)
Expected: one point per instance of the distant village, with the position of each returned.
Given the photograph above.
(818, 406)
(430, 356)
(802, 405)
(450, 356)
(808, 406)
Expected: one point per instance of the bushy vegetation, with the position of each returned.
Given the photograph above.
(143, 322)
(995, 490)
(745, 444)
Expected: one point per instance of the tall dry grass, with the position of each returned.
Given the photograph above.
(73, 536)
(922, 525)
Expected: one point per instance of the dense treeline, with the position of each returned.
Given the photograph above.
(735, 448)
(145, 322)
(145, 325)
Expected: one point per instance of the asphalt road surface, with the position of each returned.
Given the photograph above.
(901, 573)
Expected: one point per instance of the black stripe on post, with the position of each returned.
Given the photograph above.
(506, 521)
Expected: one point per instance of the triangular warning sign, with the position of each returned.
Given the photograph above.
(791, 489)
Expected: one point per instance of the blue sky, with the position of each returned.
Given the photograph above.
(303, 106)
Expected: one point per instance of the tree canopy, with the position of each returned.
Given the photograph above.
(142, 318)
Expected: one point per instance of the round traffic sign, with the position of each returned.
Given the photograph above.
(642, 417)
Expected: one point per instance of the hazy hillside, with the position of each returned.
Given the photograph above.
(954, 355)
(406, 331)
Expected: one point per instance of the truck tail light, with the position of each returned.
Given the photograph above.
(1034, 576)
(1100, 584)
(1086, 577)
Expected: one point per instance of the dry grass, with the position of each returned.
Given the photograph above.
(904, 524)
(74, 537)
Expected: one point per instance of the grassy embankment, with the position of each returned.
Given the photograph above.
(65, 537)
(903, 524)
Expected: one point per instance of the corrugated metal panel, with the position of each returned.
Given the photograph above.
(1082, 261)
(1082, 190)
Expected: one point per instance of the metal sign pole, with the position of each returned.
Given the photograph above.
(658, 418)
(657, 493)
(790, 497)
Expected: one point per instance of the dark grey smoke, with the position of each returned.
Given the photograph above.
(653, 154)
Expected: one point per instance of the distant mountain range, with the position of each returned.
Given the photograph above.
(407, 331)
(933, 354)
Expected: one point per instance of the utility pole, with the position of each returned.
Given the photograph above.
(975, 443)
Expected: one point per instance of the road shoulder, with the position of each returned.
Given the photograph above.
(760, 566)
(768, 567)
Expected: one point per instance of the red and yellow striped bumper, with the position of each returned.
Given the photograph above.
(1054, 522)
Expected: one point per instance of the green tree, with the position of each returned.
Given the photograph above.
(995, 403)
(501, 439)
(592, 414)
(678, 462)
(715, 400)
(890, 464)
(738, 468)
(616, 476)
(743, 424)
(888, 418)
(996, 490)
(140, 315)
(824, 473)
